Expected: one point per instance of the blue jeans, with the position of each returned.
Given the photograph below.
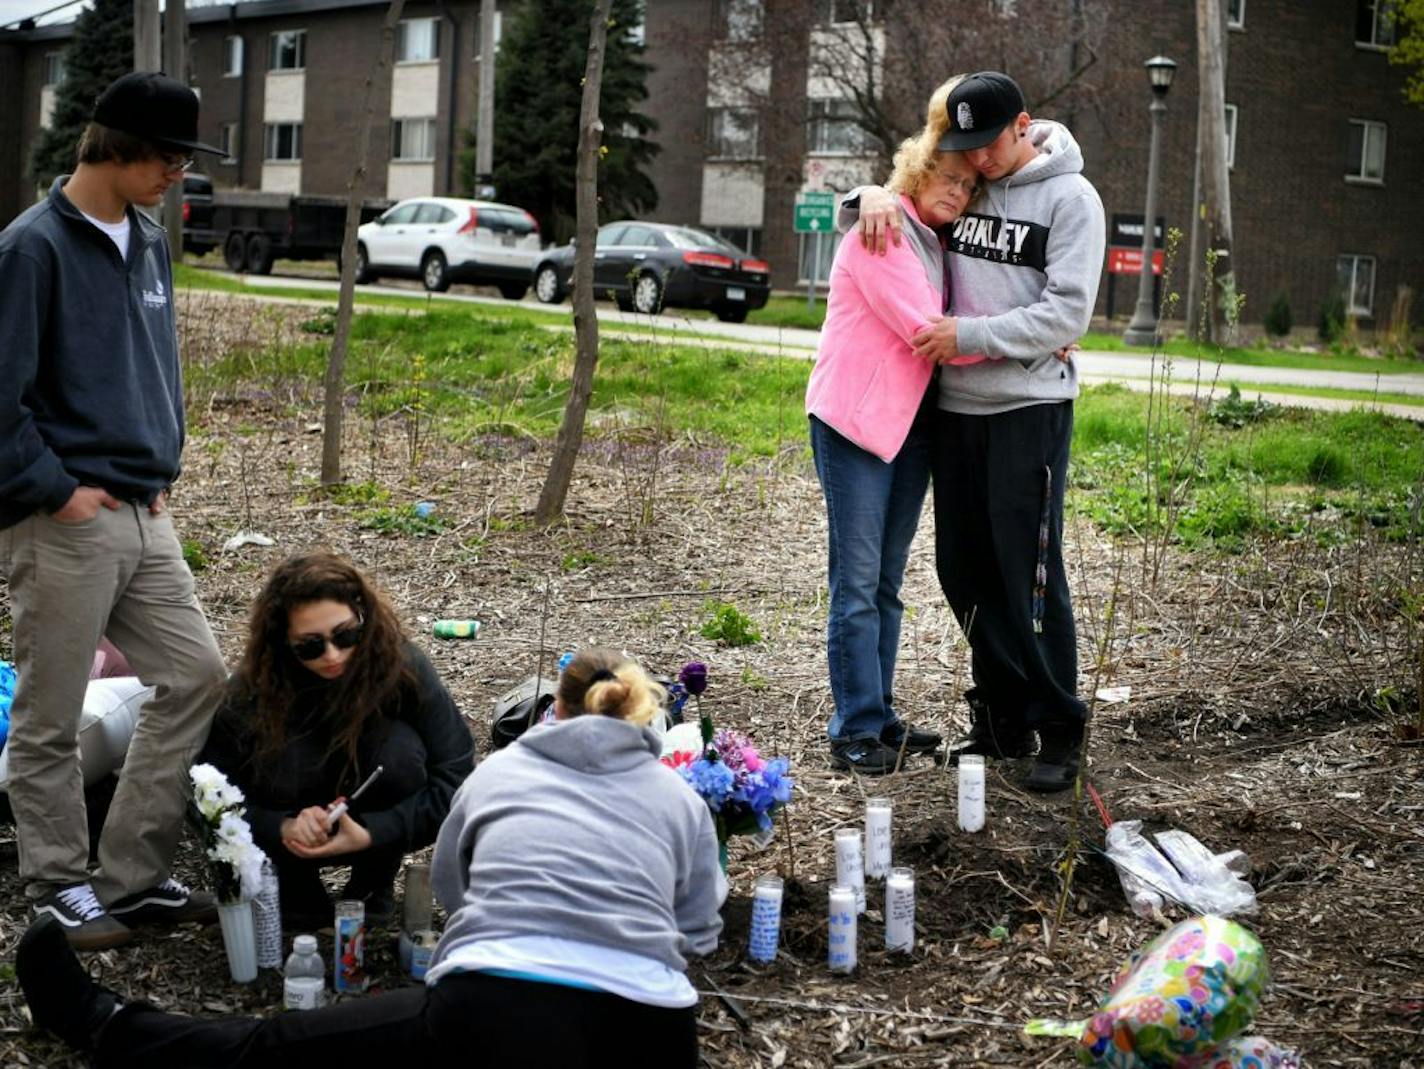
(872, 510)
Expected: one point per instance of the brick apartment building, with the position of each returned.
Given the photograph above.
(1327, 160)
(282, 87)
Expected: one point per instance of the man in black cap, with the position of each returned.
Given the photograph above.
(91, 434)
(1024, 264)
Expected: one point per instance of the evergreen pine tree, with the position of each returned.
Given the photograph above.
(101, 50)
(538, 91)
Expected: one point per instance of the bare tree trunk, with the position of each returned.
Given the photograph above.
(566, 446)
(147, 56)
(175, 62)
(335, 382)
(484, 125)
(1219, 292)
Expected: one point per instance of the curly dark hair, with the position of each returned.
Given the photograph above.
(272, 674)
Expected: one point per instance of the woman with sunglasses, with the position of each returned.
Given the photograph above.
(328, 691)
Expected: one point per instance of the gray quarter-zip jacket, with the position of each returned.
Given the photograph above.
(90, 387)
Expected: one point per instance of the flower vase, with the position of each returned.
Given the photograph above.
(722, 856)
(239, 939)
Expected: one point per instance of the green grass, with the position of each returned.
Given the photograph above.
(471, 371)
(1289, 471)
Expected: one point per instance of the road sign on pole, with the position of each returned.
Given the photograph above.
(815, 213)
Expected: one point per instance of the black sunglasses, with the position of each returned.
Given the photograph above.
(310, 647)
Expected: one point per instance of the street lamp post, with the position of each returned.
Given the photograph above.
(1143, 328)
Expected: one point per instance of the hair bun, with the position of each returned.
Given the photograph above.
(602, 675)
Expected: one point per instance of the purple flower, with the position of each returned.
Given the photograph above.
(694, 677)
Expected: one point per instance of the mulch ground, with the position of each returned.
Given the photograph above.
(1255, 722)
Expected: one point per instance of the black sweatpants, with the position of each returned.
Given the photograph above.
(998, 484)
(477, 1019)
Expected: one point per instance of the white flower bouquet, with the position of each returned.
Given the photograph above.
(227, 839)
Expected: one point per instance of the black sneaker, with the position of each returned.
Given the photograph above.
(991, 735)
(62, 998)
(869, 757)
(168, 903)
(1056, 767)
(901, 735)
(77, 912)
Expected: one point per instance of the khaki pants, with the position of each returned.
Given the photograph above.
(122, 574)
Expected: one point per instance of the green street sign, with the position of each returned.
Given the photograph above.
(815, 213)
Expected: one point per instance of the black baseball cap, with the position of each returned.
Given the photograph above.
(155, 107)
(979, 108)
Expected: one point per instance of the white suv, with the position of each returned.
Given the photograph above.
(441, 240)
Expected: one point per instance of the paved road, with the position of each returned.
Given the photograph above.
(1134, 370)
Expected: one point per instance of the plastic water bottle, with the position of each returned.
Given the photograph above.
(304, 983)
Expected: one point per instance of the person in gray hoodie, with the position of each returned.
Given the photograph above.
(578, 873)
(1024, 263)
(91, 438)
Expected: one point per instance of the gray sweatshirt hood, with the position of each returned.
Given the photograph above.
(597, 745)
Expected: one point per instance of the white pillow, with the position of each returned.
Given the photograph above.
(106, 725)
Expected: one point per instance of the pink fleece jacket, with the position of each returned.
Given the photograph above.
(867, 383)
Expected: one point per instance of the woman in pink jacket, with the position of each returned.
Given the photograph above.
(871, 401)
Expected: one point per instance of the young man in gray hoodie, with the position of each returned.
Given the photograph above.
(91, 434)
(1024, 266)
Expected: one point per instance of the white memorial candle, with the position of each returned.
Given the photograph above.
(850, 864)
(877, 837)
(971, 792)
(841, 946)
(900, 910)
(766, 919)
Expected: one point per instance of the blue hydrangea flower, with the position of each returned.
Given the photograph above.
(712, 780)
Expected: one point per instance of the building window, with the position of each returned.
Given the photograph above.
(53, 68)
(1356, 275)
(227, 141)
(413, 139)
(810, 243)
(746, 238)
(742, 19)
(1231, 135)
(1365, 161)
(1235, 14)
(284, 141)
(287, 51)
(834, 131)
(839, 11)
(1374, 23)
(735, 134)
(417, 40)
(232, 56)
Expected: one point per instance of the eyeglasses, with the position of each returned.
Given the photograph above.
(310, 647)
(173, 162)
(968, 185)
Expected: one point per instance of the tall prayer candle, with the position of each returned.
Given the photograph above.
(850, 866)
(841, 945)
(900, 910)
(766, 919)
(971, 792)
(877, 837)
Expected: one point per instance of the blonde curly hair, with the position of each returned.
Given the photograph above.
(918, 156)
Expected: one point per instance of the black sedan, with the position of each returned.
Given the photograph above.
(647, 267)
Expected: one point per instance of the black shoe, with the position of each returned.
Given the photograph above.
(869, 757)
(62, 998)
(991, 734)
(901, 735)
(168, 903)
(1056, 768)
(78, 914)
